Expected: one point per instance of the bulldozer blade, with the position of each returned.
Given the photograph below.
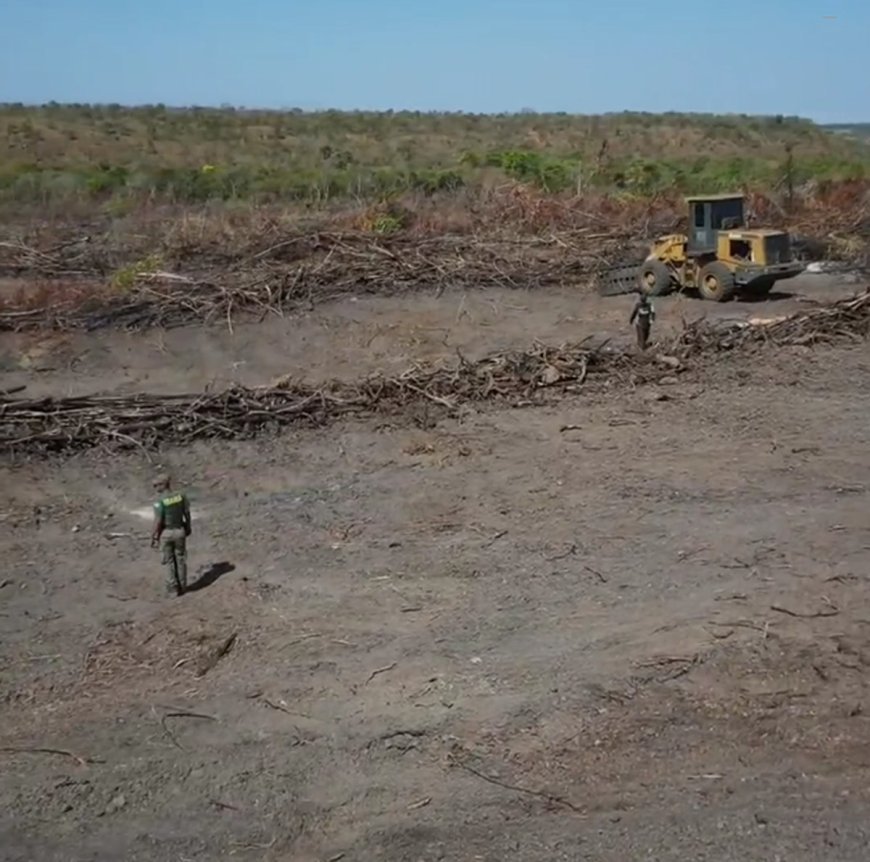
(617, 281)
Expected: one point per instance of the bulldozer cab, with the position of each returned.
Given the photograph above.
(708, 216)
(754, 247)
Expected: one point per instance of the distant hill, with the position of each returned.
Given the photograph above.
(855, 130)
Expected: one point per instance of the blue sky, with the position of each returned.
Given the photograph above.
(766, 56)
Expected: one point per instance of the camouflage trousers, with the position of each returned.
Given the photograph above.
(174, 547)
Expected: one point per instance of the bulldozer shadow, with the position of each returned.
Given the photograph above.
(773, 296)
(747, 297)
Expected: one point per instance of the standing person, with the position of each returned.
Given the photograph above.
(642, 317)
(170, 531)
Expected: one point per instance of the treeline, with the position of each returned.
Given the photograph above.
(117, 184)
(116, 156)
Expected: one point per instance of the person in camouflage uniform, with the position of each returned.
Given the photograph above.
(170, 531)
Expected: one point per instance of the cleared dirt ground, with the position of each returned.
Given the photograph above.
(647, 637)
(353, 337)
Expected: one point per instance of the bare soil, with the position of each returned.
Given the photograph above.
(357, 336)
(647, 637)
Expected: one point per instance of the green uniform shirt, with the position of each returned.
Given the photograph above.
(172, 511)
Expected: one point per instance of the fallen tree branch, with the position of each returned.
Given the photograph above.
(82, 761)
(542, 794)
(831, 612)
(379, 671)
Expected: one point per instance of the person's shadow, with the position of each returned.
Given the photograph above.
(213, 573)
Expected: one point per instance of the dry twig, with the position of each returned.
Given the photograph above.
(380, 670)
(831, 612)
(181, 714)
(550, 797)
(82, 761)
(213, 657)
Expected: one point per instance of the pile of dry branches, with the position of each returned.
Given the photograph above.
(171, 268)
(515, 377)
(308, 269)
(846, 319)
(53, 424)
(72, 257)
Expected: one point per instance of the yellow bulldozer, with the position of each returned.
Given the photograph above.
(720, 257)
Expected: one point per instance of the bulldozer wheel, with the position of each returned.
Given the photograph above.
(716, 282)
(654, 278)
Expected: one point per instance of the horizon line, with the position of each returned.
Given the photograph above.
(525, 111)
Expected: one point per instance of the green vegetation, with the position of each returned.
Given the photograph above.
(117, 156)
(127, 276)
